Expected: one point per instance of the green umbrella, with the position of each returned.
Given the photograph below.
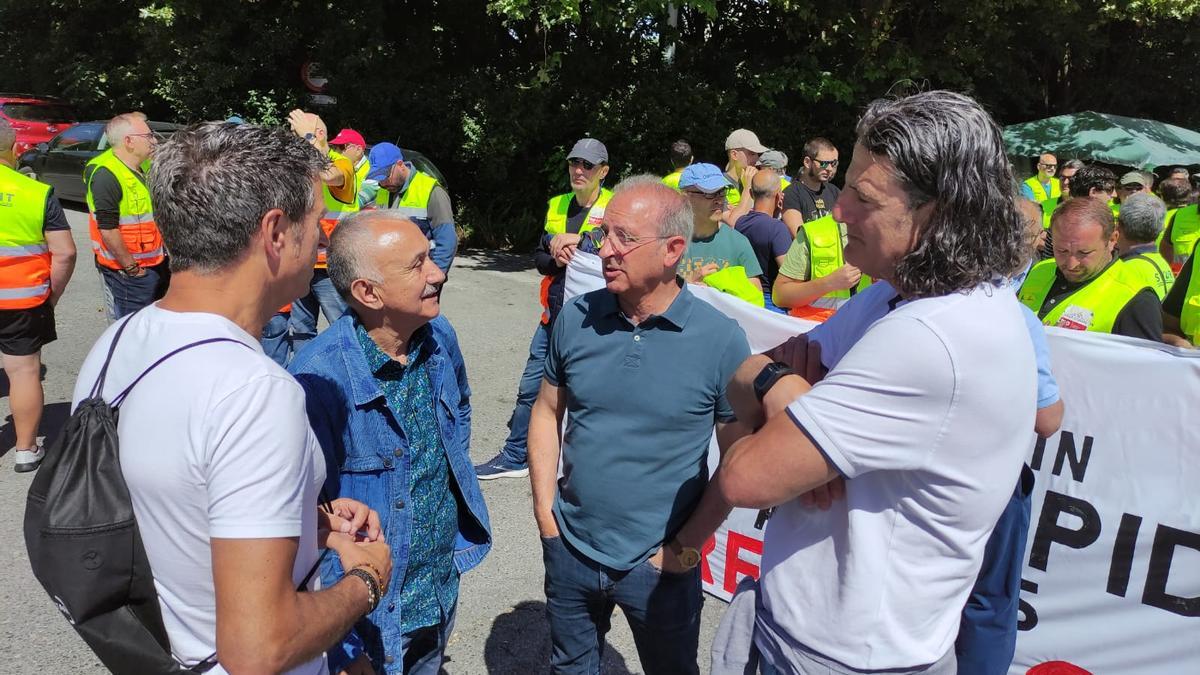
(1112, 139)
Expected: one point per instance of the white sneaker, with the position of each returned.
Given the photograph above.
(29, 460)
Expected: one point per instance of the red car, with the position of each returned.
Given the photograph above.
(36, 119)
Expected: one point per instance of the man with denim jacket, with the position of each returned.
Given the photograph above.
(388, 399)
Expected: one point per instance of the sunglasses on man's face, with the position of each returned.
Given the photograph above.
(576, 163)
(825, 163)
(1048, 166)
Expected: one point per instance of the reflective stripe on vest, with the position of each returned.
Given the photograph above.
(139, 231)
(1094, 307)
(24, 255)
(824, 238)
(1185, 232)
(360, 173)
(335, 210)
(556, 223)
(1189, 316)
(1152, 270)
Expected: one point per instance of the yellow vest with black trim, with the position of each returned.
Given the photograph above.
(1189, 316)
(556, 223)
(1185, 232)
(1093, 307)
(24, 255)
(138, 230)
(672, 179)
(1152, 270)
(335, 210)
(824, 238)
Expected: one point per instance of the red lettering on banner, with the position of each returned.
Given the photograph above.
(705, 570)
(734, 565)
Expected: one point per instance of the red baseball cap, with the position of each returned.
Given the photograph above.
(348, 136)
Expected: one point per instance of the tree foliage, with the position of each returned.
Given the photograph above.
(495, 92)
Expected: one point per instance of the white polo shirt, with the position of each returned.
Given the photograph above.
(927, 410)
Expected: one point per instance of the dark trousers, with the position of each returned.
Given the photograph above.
(987, 636)
(125, 295)
(663, 610)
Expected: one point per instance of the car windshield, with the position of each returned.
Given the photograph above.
(40, 112)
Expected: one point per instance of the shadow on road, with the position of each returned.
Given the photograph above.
(498, 261)
(520, 643)
(54, 416)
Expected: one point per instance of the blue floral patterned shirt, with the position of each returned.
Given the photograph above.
(429, 589)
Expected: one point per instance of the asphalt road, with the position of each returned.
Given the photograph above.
(501, 627)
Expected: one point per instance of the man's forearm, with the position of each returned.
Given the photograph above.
(544, 449)
(116, 246)
(302, 630)
(712, 509)
(789, 292)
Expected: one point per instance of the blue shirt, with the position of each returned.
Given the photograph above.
(370, 456)
(641, 402)
(429, 588)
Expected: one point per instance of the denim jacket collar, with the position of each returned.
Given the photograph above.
(364, 388)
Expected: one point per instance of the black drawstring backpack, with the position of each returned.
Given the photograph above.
(83, 541)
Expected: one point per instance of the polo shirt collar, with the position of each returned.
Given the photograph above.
(677, 313)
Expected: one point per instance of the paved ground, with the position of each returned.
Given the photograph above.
(501, 625)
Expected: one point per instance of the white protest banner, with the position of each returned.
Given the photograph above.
(1111, 581)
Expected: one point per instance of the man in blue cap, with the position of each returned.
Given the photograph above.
(568, 216)
(401, 187)
(713, 248)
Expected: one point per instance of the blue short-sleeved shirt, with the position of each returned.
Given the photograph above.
(641, 403)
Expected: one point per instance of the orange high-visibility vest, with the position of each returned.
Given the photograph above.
(24, 255)
(137, 227)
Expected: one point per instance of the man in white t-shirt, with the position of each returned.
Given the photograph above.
(923, 418)
(222, 467)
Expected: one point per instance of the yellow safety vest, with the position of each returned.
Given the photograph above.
(24, 255)
(556, 223)
(360, 173)
(414, 203)
(1150, 269)
(1185, 232)
(138, 229)
(335, 210)
(825, 256)
(783, 183)
(1093, 307)
(672, 179)
(1049, 202)
(1189, 317)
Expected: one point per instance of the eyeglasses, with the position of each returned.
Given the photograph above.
(710, 196)
(825, 163)
(1047, 166)
(149, 135)
(621, 241)
(575, 162)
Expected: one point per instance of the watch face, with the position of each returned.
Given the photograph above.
(689, 558)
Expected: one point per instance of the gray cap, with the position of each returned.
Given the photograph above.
(1136, 178)
(773, 159)
(589, 150)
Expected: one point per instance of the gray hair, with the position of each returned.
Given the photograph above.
(675, 213)
(1075, 164)
(1142, 216)
(947, 151)
(211, 184)
(121, 126)
(350, 249)
(8, 135)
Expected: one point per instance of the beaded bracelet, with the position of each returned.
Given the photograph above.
(373, 591)
(383, 583)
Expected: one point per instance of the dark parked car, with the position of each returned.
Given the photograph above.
(60, 162)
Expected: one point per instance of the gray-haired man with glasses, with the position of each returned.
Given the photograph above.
(642, 366)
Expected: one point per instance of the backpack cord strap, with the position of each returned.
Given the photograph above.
(120, 398)
(99, 385)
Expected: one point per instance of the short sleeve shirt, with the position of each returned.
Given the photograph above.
(641, 402)
(811, 205)
(932, 439)
(726, 247)
(770, 240)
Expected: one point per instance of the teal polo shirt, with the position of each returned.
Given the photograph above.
(642, 402)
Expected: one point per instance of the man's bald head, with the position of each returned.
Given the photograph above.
(357, 242)
(764, 184)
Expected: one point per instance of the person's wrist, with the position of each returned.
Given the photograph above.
(374, 592)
